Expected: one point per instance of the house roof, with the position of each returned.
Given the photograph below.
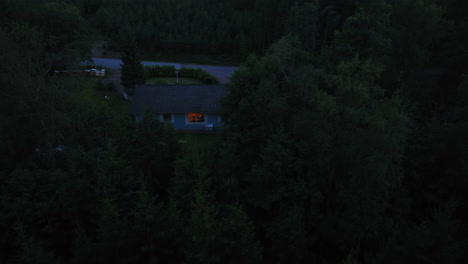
(177, 98)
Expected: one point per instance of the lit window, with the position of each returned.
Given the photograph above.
(196, 118)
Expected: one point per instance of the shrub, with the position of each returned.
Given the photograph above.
(105, 85)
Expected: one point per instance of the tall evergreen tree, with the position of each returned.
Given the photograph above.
(132, 72)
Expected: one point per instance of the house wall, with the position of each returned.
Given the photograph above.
(180, 121)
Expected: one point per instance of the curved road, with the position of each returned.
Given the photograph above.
(223, 73)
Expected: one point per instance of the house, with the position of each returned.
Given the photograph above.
(187, 107)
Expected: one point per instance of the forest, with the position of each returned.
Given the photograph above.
(345, 139)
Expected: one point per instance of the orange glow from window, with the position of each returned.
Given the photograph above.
(196, 118)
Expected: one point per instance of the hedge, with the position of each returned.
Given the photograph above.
(169, 71)
(159, 71)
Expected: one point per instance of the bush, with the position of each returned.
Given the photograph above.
(105, 85)
(110, 87)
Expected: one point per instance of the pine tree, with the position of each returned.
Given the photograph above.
(132, 68)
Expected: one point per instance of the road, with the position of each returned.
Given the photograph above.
(223, 73)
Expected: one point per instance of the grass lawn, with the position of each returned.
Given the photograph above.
(171, 80)
(197, 141)
(102, 99)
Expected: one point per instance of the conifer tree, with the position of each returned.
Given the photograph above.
(131, 67)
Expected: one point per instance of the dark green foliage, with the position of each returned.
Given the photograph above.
(334, 155)
(159, 71)
(204, 225)
(417, 27)
(231, 28)
(302, 21)
(132, 71)
(364, 34)
(239, 244)
(153, 149)
(431, 241)
(342, 144)
(105, 85)
(35, 107)
(61, 20)
(66, 31)
(196, 74)
(84, 248)
(32, 251)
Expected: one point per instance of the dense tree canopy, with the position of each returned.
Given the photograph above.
(229, 28)
(345, 137)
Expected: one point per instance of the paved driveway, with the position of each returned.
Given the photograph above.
(223, 73)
